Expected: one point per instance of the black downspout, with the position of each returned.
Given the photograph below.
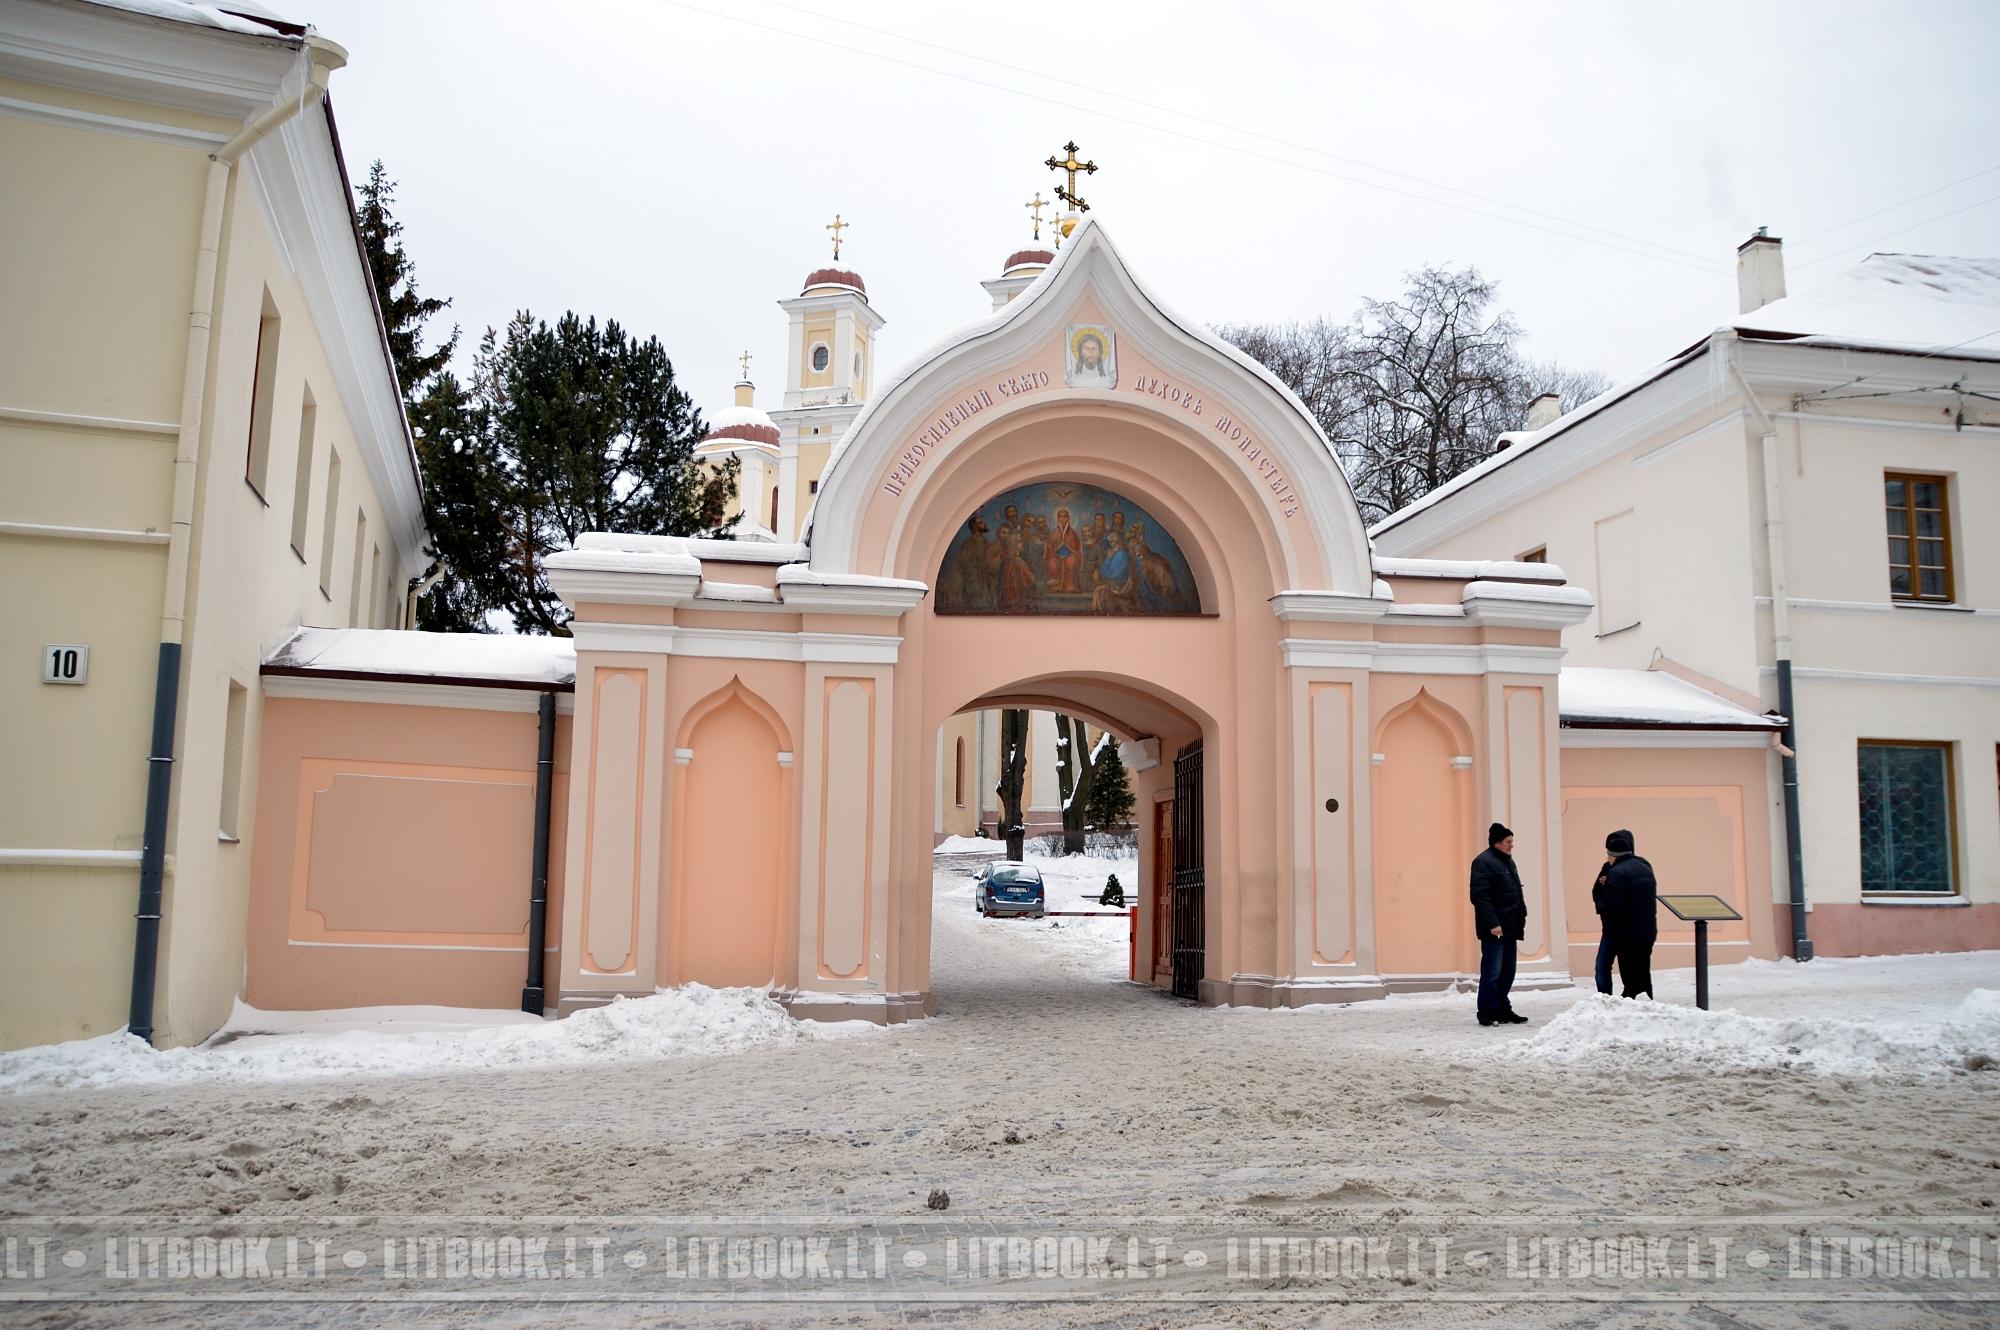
(153, 858)
(1802, 948)
(532, 996)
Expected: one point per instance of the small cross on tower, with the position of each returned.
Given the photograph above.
(837, 226)
(1070, 165)
(1035, 206)
(745, 358)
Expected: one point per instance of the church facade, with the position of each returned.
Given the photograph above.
(1085, 505)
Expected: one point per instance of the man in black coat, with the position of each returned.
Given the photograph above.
(1500, 915)
(1624, 895)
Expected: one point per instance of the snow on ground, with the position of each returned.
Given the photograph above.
(1049, 1095)
(398, 1041)
(1099, 947)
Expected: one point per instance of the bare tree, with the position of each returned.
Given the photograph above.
(1013, 776)
(1415, 390)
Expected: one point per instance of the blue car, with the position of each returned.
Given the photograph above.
(1006, 888)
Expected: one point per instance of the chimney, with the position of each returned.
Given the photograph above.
(1760, 271)
(1544, 410)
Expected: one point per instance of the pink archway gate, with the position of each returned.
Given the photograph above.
(1298, 649)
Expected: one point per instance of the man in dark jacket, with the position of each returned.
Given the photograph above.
(1624, 895)
(1500, 914)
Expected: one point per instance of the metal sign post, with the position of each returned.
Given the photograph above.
(1699, 911)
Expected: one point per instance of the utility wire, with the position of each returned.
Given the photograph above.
(1240, 129)
(1864, 244)
(1707, 267)
(1810, 397)
(1914, 198)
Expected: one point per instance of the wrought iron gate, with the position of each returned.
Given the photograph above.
(1187, 882)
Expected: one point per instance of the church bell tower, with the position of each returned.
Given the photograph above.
(830, 364)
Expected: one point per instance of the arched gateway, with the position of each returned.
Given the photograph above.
(1088, 504)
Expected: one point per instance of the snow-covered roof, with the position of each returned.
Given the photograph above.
(482, 658)
(739, 415)
(228, 19)
(1913, 302)
(1591, 698)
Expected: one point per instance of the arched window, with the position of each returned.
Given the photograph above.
(958, 773)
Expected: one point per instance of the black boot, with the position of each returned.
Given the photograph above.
(1511, 1017)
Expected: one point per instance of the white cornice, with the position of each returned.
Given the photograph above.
(1457, 658)
(738, 644)
(134, 57)
(398, 692)
(152, 131)
(606, 586)
(1664, 738)
(1327, 607)
(1514, 605)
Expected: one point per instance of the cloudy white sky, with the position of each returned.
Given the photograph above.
(672, 163)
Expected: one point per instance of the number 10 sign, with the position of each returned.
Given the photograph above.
(64, 662)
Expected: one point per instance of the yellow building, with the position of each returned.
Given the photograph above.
(202, 448)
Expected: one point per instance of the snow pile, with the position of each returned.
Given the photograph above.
(1608, 1033)
(970, 845)
(394, 652)
(683, 1022)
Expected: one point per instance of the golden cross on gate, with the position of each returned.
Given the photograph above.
(1035, 206)
(1070, 165)
(837, 226)
(745, 358)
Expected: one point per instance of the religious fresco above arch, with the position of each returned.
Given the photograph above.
(1063, 547)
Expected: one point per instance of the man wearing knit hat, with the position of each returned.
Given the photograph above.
(1500, 914)
(1624, 895)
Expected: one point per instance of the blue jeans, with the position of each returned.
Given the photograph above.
(1605, 954)
(1496, 974)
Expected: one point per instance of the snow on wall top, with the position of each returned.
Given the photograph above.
(207, 16)
(495, 657)
(1648, 698)
(757, 550)
(1908, 301)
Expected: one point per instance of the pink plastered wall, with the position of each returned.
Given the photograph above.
(394, 856)
(1700, 816)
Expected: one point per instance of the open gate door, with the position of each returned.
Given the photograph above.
(1187, 888)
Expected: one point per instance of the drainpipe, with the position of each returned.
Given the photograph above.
(323, 57)
(532, 995)
(419, 586)
(1781, 648)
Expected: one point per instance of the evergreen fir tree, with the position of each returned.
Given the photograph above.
(565, 428)
(1111, 797)
(404, 311)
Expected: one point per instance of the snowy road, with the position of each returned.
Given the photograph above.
(1052, 1100)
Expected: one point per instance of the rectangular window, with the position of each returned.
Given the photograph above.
(1906, 817)
(328, 524)
(1919, 536)
(354, 619)
(1617, 573)
(302, 482)
(263, 389)
(374, 588)
(232, 760)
